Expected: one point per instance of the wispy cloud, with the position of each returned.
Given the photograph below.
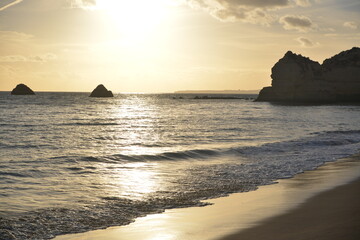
(33, 59)
(305, 42)
(303, 3)
(9, 4)
(82, 3)
(253, 11)
(351, 25)
(11, 36)
(299, 23)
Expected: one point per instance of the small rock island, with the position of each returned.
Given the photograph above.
(22, 89)
(101, 91)
(299, 79)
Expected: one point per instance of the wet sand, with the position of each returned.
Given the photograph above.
(319, 204)
(332, 215)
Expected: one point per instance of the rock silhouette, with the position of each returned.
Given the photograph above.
(22, 89)
(101, 91)
(298, 79)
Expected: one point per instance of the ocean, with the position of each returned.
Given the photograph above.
(70, 163)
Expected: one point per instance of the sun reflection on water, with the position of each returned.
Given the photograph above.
(135, 134)
(137, 119)
(132, 180)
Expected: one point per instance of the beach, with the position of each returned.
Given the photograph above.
(332, 215)
(319, 204)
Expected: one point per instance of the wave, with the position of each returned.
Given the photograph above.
(197, 154)
(317, 141)
(12, 174)
(314, 141)
(256, 165)
(25, 146)
(19, 125)
(89, 124)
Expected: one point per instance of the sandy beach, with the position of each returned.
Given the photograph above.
(334, 214)
(319, 204)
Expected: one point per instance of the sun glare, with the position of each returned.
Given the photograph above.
(136, 17)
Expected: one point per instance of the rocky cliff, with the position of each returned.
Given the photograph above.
(22, 89)
(298, 79)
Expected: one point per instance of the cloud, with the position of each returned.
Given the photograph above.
(351, 25)
(9, 4)
(303, 3)
(256, 3)
(252, 11)
(82, 3)
(299, 23)
(13, 43)
(33, 59)
(305, 42)
(12, 36)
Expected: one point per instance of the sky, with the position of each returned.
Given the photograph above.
(165, 45)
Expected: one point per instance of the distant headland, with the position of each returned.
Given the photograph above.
(218, 92)
(22, 89)
(298, 79)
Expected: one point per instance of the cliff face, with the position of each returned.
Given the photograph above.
(298, 79)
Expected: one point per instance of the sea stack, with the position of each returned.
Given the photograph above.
(299, 79)
(22, 89)
(101, 91)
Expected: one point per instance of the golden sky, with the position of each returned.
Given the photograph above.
(165, 45)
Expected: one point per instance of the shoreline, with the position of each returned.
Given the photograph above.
(230, 217)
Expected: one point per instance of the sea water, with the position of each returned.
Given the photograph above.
(70, 163)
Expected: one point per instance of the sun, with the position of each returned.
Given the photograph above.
(133, 18)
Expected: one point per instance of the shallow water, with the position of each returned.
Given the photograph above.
(69, 163)
(234, 213)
